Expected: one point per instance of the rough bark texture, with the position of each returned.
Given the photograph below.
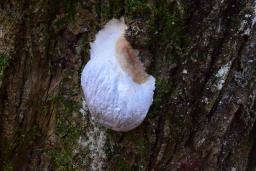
(202, 54)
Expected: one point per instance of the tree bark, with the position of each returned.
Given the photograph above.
(202, 54)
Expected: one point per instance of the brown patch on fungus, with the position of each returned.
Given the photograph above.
(129, 61)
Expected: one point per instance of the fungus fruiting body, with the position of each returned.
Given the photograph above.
(116, 87)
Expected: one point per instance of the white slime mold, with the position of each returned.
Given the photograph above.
(116, 87)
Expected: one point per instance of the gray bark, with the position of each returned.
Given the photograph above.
(202, 54)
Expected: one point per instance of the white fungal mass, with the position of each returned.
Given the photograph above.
(117, 90)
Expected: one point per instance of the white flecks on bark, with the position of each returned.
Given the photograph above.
(94, 142)
(222, 75)
(184, 71)
(254, 17)
(248, 22)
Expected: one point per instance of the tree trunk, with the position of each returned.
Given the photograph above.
(202, 54)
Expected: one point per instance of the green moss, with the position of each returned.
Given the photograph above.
(170, 38)
(121, 164)
(162, 88)
(22, 144)
(169, 22)
(114, 9)
(162, 92)
(139, 143)
(6, 154)
(7, 167)
(62, 159)
(4, 60)
(134, 142)
(69, 8)
(127, 8)
(68, 131)
(138, 8)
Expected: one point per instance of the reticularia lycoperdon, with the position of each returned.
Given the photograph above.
(116, 87)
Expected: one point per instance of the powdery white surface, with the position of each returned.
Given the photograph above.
(113, 98)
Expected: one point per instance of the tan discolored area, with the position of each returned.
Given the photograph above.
(129, 61)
